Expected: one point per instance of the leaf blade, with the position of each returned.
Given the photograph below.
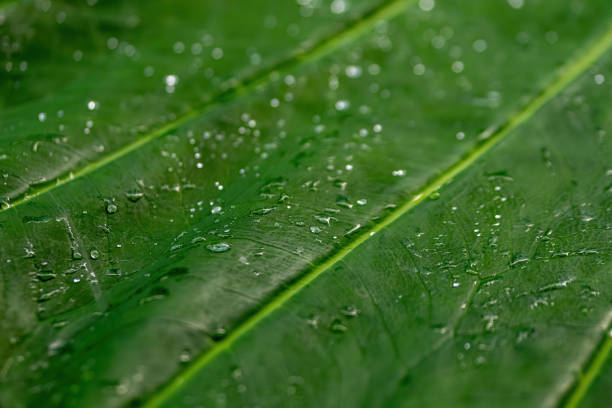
(136, 310)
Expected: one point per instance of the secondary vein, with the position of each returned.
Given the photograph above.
(489, 139)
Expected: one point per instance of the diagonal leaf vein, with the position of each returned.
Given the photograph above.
(488, 140)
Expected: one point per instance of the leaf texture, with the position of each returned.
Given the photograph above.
(305, 204)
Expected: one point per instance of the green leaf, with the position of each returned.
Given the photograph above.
(305, 203)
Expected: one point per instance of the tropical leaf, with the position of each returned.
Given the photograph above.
(312, 203)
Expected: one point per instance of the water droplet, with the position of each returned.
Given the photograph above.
(350, 311)
(217, 53)
(353, 71)
(178, 47)
(362, 201)
(427, 5)
(323, 220)
(262, 211)
(216, 209)
(479, 45)
(219, 247)
(338, 6)
(134, 195)
(516, 4)
(342, 105)
(112, 43)
(171, 80)
(42, 116)
(111, 208)
(185, 356)
(29, 251)
(55, 346)
(45, 276)
(352, 230)
(94, 253)
(457, 67)
(219, 334)
(315, 229)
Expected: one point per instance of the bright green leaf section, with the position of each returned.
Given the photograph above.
(498, 293)
(189, 219)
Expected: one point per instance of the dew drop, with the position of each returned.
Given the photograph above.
(185, 356)
(350, 311)
(427, 5)
(219, 247)
(178, 47)
(219, 334)
(171, 80)
(338, 6)
(479, 45)
(457, 67)
(45, 276)
(315, 229)
(342, 105)
(111, 208)
(94, 253)
(134, 195)
(353, 71)
(516, 4)
(262, 211)
(217, 53)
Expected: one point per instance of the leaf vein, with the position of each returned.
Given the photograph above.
(489, 139)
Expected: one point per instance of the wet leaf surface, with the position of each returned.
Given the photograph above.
(312, 203)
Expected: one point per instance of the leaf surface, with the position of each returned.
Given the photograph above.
(277, 232)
